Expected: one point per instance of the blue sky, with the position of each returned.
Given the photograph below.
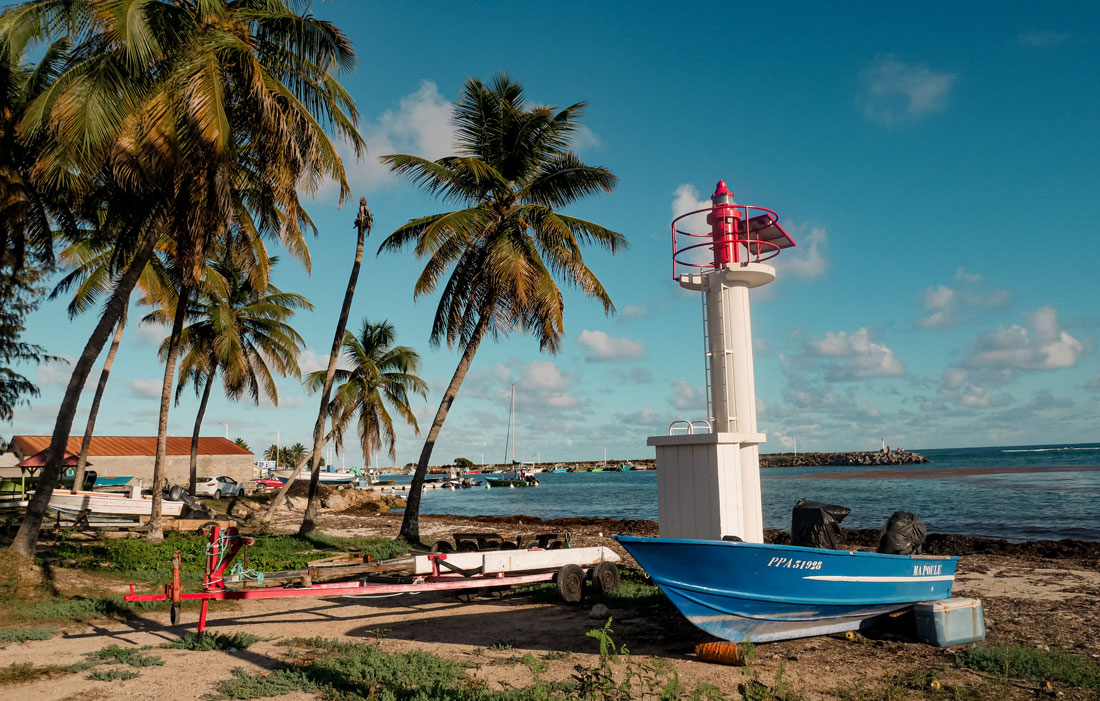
(939, 171)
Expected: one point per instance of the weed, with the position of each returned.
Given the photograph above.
(756, 690)
(501, 646)
(113, 654)
(21, 635)
(555, 655)
(1032, 664)
(245, 685)
(113, 675)
(618, 677)
(25, 673)
(215, 641)
(352, 671)
(377, 633)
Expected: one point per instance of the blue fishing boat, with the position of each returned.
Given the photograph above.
(760, 592)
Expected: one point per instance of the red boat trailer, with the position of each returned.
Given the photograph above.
(444, 576)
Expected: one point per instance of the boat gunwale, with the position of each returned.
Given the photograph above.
(623, 538)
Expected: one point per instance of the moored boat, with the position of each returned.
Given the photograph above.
(760, 592)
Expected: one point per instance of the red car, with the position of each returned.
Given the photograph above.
(263, 483)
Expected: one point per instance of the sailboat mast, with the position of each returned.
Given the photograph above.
(512, 420)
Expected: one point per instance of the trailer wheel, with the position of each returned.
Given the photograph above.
(570, 581)
(605, 576)
(442, 546)
(174, 614)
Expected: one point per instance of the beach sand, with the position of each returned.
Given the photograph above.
(1035, 594)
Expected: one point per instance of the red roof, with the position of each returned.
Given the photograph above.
(131, 445)
(39, 460)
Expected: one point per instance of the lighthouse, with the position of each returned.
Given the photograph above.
(708, 470)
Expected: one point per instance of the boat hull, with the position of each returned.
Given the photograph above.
(325, 477)
(113, 504)
(509, 483)
(738, 591)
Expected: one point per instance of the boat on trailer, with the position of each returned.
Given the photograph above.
(761, 592)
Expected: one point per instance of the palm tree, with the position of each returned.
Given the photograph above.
(363, 223)
(382, 379)
(241, 442)
(513, 171)
(201, 121)
(274, 454)
(241, 332)
(296, 454)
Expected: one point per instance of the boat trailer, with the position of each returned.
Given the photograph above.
(467, 572)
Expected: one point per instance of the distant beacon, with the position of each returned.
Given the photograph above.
(708, 472)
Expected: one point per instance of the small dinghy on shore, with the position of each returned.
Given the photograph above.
(760, 593)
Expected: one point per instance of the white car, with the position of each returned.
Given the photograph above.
(218, 487)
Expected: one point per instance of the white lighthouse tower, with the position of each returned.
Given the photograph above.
(708, 471)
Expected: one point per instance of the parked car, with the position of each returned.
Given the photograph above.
(262, 483)
(218, 487)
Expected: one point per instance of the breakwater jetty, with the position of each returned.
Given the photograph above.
(877, 457)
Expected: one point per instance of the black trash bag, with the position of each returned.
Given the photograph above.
(817, 525)
(903, 534)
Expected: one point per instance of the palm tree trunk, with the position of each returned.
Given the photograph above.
(155, 533)
(89, 430)
(27, 536)
(410, 524)
(193, 471)
(290, 480)
(362, 226)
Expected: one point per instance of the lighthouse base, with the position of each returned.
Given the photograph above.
(708, 486)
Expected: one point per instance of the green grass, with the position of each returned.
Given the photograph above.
(635, 591)
(26, 673)
(214, 641)
(151, 562)
(113, 675)
(114, 654)
(1032, 664)
(21, 635)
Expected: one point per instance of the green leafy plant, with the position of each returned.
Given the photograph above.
(215, 641)
(1032, 664)
(112, 675)
(21, 635)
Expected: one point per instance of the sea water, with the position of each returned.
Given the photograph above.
(1039, 505)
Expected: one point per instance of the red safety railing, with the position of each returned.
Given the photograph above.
(756, 250)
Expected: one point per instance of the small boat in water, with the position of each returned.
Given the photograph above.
(760, 592)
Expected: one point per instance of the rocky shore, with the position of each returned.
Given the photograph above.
(878, 457)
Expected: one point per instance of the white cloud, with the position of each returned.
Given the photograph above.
(1041, 345)
(420, 126)
(806, 260)
(146, 389)
(151, 335)
(55, 373)
(633, 312)
(760, 346)
(949, 305)
(686, 199)
(310, 360)
(686, 396)
(1043, 38)
(895, 92)
(598, 346)
(1093, 385)
(864, 358)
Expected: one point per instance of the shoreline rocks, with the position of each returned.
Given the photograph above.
(869, 458)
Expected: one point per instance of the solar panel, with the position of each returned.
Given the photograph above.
(765, 228)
